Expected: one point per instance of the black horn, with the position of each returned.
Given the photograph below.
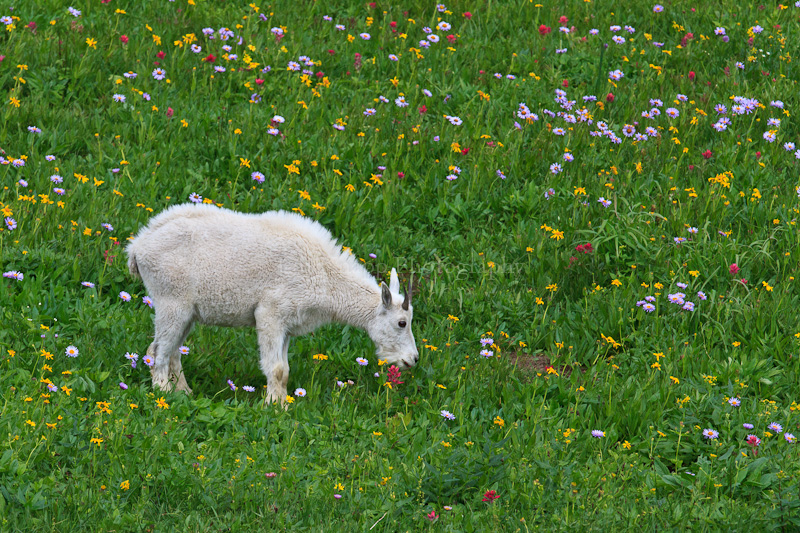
(407, 299)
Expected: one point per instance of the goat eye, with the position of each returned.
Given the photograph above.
(402, 323)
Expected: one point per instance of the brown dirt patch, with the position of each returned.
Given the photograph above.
(530, 365)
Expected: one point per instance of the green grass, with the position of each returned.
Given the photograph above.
(491, 255)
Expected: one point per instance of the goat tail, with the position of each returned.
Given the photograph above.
(132, 266)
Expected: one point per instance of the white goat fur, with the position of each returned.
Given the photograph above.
(278, 271)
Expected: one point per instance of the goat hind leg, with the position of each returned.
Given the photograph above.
(171, 322)
(176, 375)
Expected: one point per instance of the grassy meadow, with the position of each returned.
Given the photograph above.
(598, 201)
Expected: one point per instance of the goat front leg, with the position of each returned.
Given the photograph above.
(273, 343)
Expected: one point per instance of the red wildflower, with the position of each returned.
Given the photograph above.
(707, 154)
(585, 248)
(331, 52)
(490, 496)
(563, 19)
(758, 155)
(259, 81)
(734, 268)
(753, 441)
(432, 516)
(124, 39)
(692, 75)
(544, 30)
(610, 97)
(161, 54)
(170, 112)
(467, 15)
(423, 109)
(452, 38)
(210, 58)
(401, 175)
(465, 151)
(393, 24)
(565, 83)
(393, 376)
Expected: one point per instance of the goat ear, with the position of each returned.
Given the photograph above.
(394, 282)
(386, 296)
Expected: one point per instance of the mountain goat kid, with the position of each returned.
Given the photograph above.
(278, 271)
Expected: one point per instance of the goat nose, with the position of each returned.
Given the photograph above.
(416, 358)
